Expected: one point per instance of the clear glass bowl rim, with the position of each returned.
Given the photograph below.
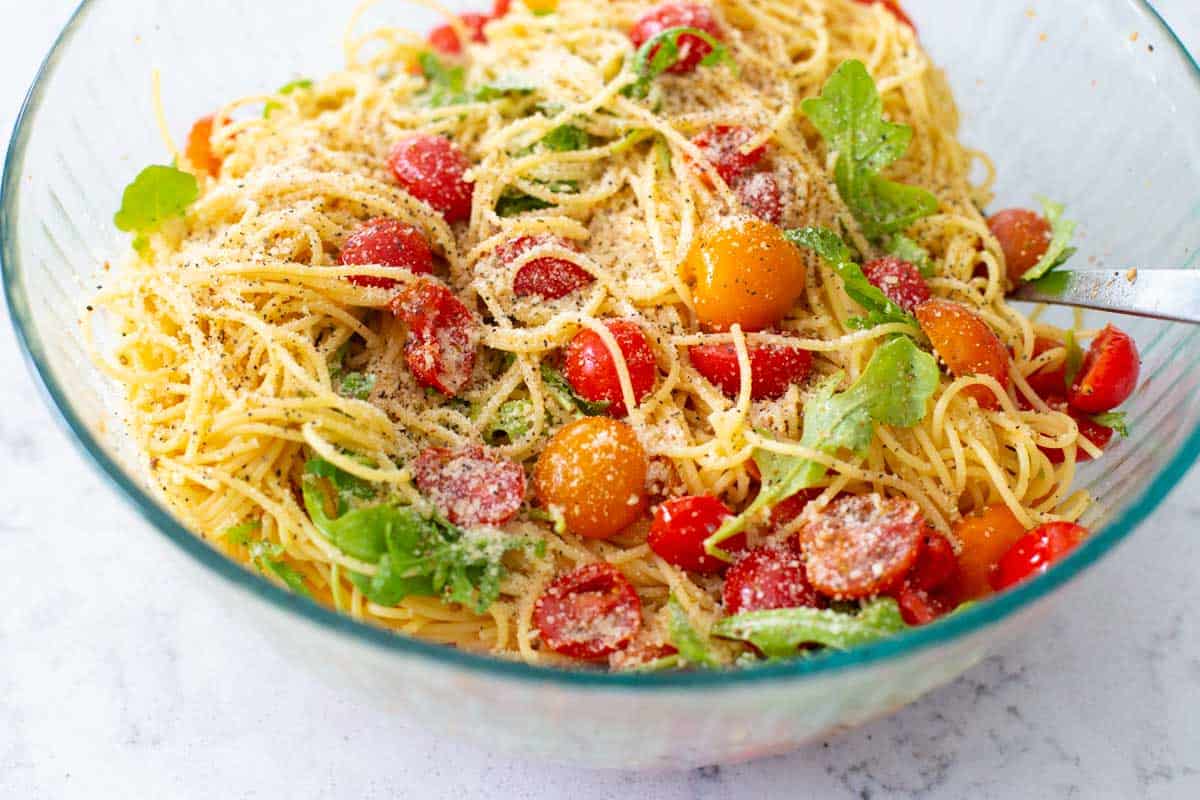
(977, 617)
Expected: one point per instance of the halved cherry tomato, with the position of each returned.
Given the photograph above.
(785, 511)
(743, 271)
(1109, 373)
(894, 7)
(923, 595)
(501, 7)
(1034, 552)
(641, 651)
(594, 470)
(431, 169)
(1024, 237)
(548, 278)
(966, 344)
(590, 369)
(759, 193)
(722, 146)
(692, 49)
(899, 280)
(386, 243)
(983, 538)
(768, 577)
(680, 527)
(1048, 382)
(444, 38)
(443, 335)
(772, 368)
(588, 613)
(199, 146)
(861, 544)
(470, 486)
(1089, 429)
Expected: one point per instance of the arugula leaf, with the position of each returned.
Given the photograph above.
(1117, 420)
(779, 632)
(513, 202)
(357, 385)
(265, 556)
(447, 84)
(893, 390)
(661, 51)
(565, 138)
(240, 534)
(156, 195)
(347, 486)
(1074, 359)
(514, 420)
(505, 86)
(1059, 249)
(287, 88)
(835, 253)
(562, 388)
(286, 573)
(906, 249)
(849, 115)
(692, 647)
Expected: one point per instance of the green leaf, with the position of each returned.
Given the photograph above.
(241, 534)
(558, 384)
(446, 84)
(357, 385)
(514, 420)
(849, 115)
(286, 573)
(906, 249)
(660, 53)
(505, 86)
(1117, 420)
(1074, 360)
(692, 647)
(287, 88)
(894, 390)
(778, 633)
(837, 255)
(157, 194)
(512, 202)
(348, 487)
(1059, 249)
(266, 556)
(566, 138)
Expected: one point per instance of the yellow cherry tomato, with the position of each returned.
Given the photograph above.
(984, 537)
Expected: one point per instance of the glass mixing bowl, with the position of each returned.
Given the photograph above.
(1093, 102)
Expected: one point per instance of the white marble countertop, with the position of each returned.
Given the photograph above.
(119, 679)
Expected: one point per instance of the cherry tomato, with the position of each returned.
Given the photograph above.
(1024, 237)
(722, 146)
(785, 511)
(1089, 429)
(590, 369)
(768, 577)
(588, 613)
(1109, 373)
(199, 146)
(899, 280)
(759, 193)
(1048, 382)
(680, 528)
(386, 243)
(894, 7)
(983, 537)
(500, 8)
(743, 271)
(641, 651)
(548, 278)
(861, 544)
(1034, 552)
(772, 368)
(470, 486)
(431, 169)
(594, 470)
(692, 49)
(443, 335)
(966, 344)
(924, 594)
(444, 39)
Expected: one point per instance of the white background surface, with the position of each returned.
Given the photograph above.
(119, 679)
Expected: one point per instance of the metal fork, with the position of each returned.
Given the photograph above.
(1171, 294)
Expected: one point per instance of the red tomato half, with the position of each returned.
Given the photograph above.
(1089, 429)
(548, 278)
(680, 527)
(1047, 382)
(470, 486)
(590, 369)
(966, 345)
(722, 146)
(894, 7)
(899, 280)
(772, 368)
(1024, 237)
(1034, 552)
(1109, 373)
(692, 49)
(588, 613)
(444, 39)
(386, 243)
(768, 577)
(759, 193)
(926, 592)
(443, 335)
(431, 169)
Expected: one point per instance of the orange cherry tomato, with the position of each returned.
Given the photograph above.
(594, 470)
(1024, 236)
(743, 271)
(966, 344)
(199, 146)
(984, 537)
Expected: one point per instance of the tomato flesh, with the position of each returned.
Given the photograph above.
(444, 39)
(772, 368)
(722, 146)
(443, 336)
(1109, 373)
(1048, 382)
(768, 577)
(470, 486)
(590, 369)
(547, 278)
(589, 613)
(967, 346)
(199, 146)
(1089, 429)
(386, 243)
(692, 49)
(432, 168)
(1024, 237)
(1034, 552)
(983, 538)
(759, 193)
(680, 527)
(899, 280)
